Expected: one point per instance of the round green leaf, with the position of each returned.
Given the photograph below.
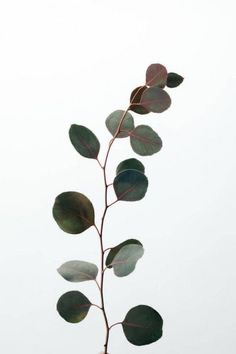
(84, 141)
(73, 212)
(130, 164)
(156, 75)
(135, 100)
(142, 325)
(145, 141)
(130, 185)
(155, 99)
(174, 80)
(73, 306)
(123, 258)
(114, 119)
(78, 271)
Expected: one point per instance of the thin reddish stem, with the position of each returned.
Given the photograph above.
(100, 233)
(99, 307)
(107, 249)
(115, 324)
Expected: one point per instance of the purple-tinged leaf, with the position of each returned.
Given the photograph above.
(155, 99)
(156, 75)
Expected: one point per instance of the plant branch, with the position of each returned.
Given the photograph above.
(97, 284)
(115, 201)
(115, 324)
(97, 229)
(99, 307)
(107, 249)
(106, 184)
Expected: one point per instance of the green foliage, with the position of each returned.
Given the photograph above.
(145, 141)
(130, 185)
(73, 306)
(78, 271)
(113, 121)
(84, 141)
(123, 258)
(142, 325)
(174, 80)
(155, 99)
(130, 164)
(74, 212)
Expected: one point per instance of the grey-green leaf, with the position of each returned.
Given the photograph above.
(78, 271)
(73, 306)
(123, 258)
(155, 99)
(114, 119)
(156, 74)
(145, 141)
(130, 164)
(130, 185)
(142, 325)
(84, 141)
(174, 80)
(73, 212)
(114, 250)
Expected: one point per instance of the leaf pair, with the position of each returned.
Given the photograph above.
(157, 75)
(74, 306)
(130, 183)
(143, 139)
(122, 258)
(74, 212)
(151, 97)
(145, 99)
(142, 324)
(113, 123)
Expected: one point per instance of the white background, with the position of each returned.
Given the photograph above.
(71, 61)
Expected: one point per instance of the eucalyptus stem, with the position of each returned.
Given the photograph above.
(102, 229)
(74, 212)
(106, 184)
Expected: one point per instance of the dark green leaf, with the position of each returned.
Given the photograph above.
(145, 141)
(73, 306)
(73, 212)
(84, 141)
(114, 119)
(156, 75)
(142, 325)
(123, 258)
(78, 271)
(155, 99)
(130, 185)
(174, 80)
(135, 100)
(130, 164)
